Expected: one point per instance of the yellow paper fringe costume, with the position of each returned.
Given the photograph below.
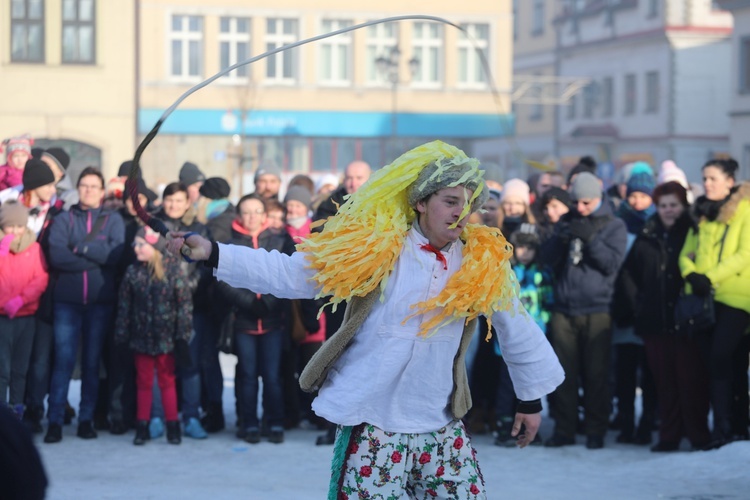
(360, 244)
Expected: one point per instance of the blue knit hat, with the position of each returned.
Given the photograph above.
(641, 182)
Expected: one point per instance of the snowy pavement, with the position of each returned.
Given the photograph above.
(222, 466)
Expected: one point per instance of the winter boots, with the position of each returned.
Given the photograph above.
(141, 432)
(174, 435)
(213, 420)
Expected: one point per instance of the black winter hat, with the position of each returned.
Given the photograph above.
(59, 156)
(190, 174)
(36, 174)
(215, 188)
(144, 190)
(556, 193)
(585, 164)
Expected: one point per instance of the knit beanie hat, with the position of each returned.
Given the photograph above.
(145, 191)
(36, 174)
(215, 188)
(515, 189)
(300, 194)
(325, 180)
(585, 186)
(585, 164)
(59, 156)
(152, 238)
(671, 172)
(267, 168)
(15, 144)
(190, 174)
(641, 179)
(438, 175)
(13, 213)
(556, 193)
(525, 236)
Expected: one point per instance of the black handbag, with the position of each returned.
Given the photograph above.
(693, 314)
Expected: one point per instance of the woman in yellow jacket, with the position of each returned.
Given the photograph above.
(717, 257)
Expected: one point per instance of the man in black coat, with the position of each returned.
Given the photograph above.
(585, 252)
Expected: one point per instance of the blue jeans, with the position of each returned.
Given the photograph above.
(261, 355)
(71, 322)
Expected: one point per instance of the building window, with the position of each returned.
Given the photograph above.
(630, 94)
(78, 31)
(27, 31)
(744, 66)
(187, 47)
(381, 39)
(537, 18)
(589, 99)
(653, 8)
(652, 92)
(336, 54)
(470, 69)
(515, 19)
(281, 67)
(428, 49)
(608, 96)
(234, 46)
(572, 107)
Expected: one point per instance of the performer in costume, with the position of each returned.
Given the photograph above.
(416, 278)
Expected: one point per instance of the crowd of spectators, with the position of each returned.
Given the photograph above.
(84, 283)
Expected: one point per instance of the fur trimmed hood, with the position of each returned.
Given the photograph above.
(730, 207)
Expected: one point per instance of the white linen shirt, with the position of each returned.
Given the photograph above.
(389, 376)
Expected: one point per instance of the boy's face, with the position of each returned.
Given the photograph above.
(440, 212)
(276, 219)
(524, 255)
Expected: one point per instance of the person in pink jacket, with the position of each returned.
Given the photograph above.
(17, 153)
(23, 278)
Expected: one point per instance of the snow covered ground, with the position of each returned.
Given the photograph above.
(222, 466)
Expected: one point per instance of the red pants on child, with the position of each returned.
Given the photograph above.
(144, 366)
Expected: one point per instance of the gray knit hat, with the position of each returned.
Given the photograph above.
(300, 194)
(586, 186)
(13, 213)
(450, 173)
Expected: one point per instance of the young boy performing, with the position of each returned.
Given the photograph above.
(416, 277)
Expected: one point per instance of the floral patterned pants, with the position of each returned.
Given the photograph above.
(390, 466)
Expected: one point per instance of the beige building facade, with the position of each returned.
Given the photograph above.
(67, 77)
(367, 94)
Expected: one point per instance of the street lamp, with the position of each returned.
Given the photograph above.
(388, 66)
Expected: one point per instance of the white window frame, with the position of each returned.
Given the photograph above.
(344, 42)
(467, 49)
(379, 44)
(185, 36)
(279, 39)
(421, 47)
(234, 39)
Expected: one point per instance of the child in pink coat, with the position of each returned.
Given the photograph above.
(23, 278)
(17, 153)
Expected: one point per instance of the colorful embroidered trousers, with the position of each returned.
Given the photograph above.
(388, 465)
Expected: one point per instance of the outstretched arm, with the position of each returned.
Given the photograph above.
(283, 276)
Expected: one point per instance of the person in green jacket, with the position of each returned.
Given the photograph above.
(716, 258)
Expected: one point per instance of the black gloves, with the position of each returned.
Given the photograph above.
(182, 354)
(700, 283)
(582, 228)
